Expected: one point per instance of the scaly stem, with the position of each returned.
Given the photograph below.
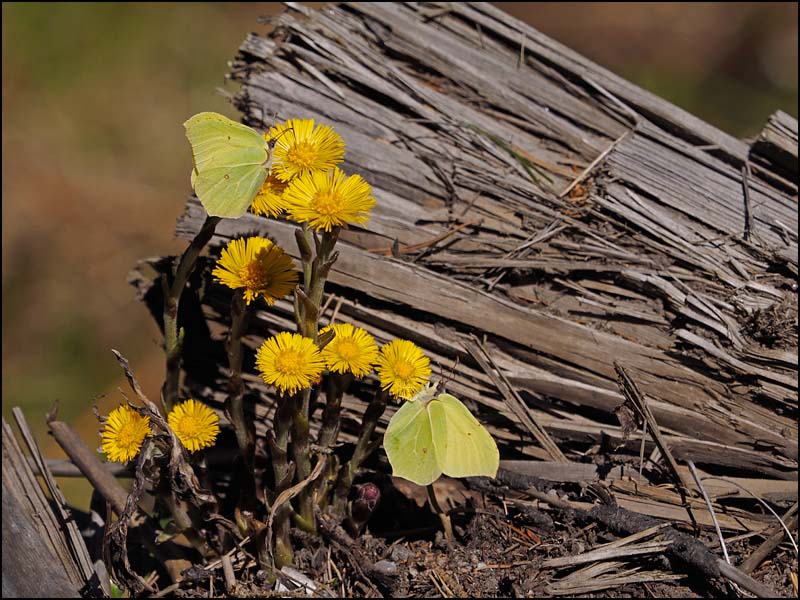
(279, 451)
(363, 448)
(284, 555)
(315, 273)
(235, 405)
(283, 480)
(173, 338)
(302, 456)
(304, 239)
(329, 431)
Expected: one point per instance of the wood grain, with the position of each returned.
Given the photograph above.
(643, 261)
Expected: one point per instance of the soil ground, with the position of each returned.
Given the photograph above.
(499, 552)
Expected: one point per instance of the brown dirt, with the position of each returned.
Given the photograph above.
(499, 553)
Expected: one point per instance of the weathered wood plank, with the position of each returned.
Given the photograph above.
(37, 562)
(777, 143)
(30, 569)
(459, 306)
(474, 156)
(665, 114)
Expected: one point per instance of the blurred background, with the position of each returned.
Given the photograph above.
(95, 163)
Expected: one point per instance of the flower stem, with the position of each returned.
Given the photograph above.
(337, 383)
(280, 444)
(244, 432)
(173, 338)
(363, 448)
(303, 237)
(315, 274)
(329, 432)
(302, 456)
(283, 476)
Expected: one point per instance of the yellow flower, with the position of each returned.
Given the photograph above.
(353, 350)
(257, 265)
(195, 424)
(124, 433)
(301, 148)
(403, 368)
(328, 200)
(268, 201)
(289, 361)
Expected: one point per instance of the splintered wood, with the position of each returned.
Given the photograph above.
(494, 227)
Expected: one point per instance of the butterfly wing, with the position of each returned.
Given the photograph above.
(469, 449)
(409, 444)
(228, 191)
(230, 163)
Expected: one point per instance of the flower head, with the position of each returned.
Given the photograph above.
(351, 350)
(268, 200)
(257, 265)
(403, 368)
(300, 148)
(328, 200)
(195, 424)
(289, 361)
(124, 433)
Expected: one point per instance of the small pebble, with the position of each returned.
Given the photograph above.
(262, 576)
(319, 558)
(400, 553)
(386, 567)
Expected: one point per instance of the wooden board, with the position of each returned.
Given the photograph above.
(562, 215)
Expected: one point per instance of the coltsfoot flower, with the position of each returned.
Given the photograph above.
(352, 350)
(195, 424)
(289, 361)
(330, 199)
(269, 199)
(403, 368)
(257, 266)
(301, 147)
(124, 433)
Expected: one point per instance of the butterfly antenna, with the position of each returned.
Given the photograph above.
(264, 117)
(274, 140)
(450, 375)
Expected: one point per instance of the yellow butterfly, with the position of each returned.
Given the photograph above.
(231, 162)
(429, 436)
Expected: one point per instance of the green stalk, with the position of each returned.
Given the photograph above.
(245, 435)
(364, 448)
(283, 478)
(303, 236)
(282, 423)
(302, 456)
(329, 432)
(337, 383)
(173, 338)
(284, 555)
(315, 274)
